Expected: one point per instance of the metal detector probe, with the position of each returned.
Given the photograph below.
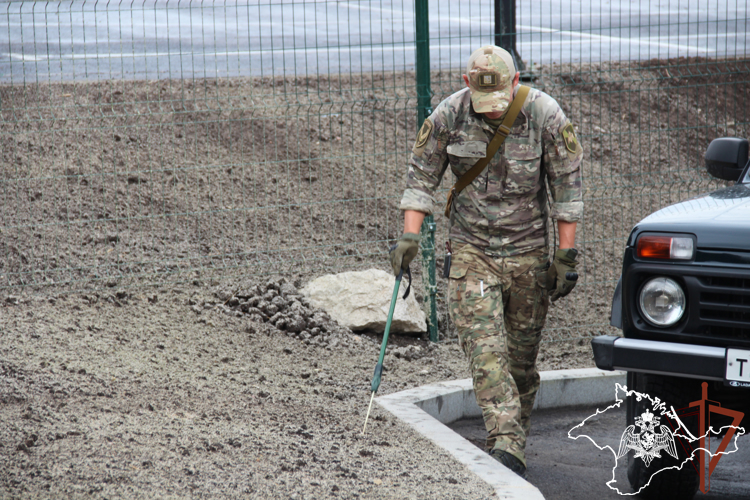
(379, 367)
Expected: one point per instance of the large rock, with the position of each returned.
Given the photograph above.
(360, 301)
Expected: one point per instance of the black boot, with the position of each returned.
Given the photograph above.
(509, 461)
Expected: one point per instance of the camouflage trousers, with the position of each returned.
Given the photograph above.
(499, 307)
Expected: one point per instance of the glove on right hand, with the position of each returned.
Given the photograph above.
(404, 251)
(562, 273)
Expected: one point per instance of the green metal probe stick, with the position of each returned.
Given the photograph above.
(379, 367)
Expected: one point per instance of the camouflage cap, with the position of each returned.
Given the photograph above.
(491, 72)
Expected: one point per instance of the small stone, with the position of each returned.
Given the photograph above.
(254, 311)
(296, 324)
(279, 302)
(256, 318)
(276, 317)
(252, 291)
(271, 309)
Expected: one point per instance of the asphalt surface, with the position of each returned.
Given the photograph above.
(567, 469)
(91, 40)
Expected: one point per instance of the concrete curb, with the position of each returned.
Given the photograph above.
(426, 409)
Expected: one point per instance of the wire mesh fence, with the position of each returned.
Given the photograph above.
(151, 142)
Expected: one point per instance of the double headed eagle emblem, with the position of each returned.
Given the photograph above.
(648, 443)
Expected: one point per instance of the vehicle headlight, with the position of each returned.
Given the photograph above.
(662, 301)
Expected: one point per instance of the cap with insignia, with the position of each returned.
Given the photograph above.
(491, 72)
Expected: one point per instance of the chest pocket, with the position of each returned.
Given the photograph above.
(524, 167)
(465, 155)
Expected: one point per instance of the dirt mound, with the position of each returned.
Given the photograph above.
(279, 304)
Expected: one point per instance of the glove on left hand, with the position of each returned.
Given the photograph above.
(563, 273)
(404, 251)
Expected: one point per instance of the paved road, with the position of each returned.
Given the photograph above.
(566, 469)
(91, 40)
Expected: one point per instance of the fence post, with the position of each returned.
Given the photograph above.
(424, 109)
(505, 30)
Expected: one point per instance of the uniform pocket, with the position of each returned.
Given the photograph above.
(457, 271)
(468, 149)
(475, 305)
(524, 162)
(541, 300)
(465, 155)
(543, 280)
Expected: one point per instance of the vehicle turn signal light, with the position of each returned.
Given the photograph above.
(664, 247)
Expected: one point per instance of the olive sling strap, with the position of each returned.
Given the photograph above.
(502, 132)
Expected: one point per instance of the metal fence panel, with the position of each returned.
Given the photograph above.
(150, 142)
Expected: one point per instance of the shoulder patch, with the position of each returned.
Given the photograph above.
(422, 136)
(569, 136)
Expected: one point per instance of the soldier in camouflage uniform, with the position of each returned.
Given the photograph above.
(501, 280)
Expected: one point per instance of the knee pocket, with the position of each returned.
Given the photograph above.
(484, 347)
(527, 320)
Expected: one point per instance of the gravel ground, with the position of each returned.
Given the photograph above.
(175, 393)
(113, 183)
(204, 386)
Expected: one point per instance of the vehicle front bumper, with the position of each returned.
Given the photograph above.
(663, 358)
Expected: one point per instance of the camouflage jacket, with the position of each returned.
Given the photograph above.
(504, 210)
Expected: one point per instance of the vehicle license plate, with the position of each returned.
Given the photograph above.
(738, 367)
